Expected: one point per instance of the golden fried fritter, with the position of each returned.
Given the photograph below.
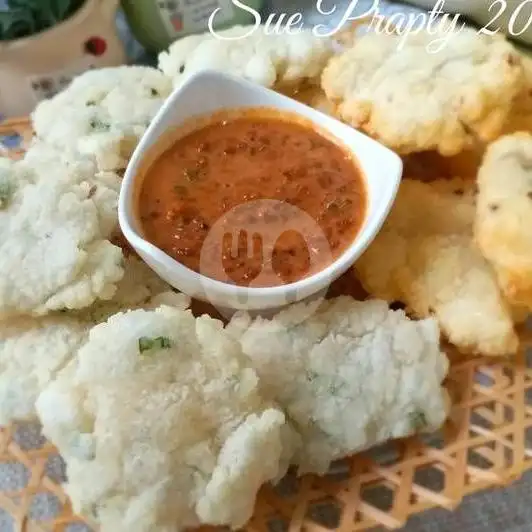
(503, 227)
(425, 257)
(413, 99)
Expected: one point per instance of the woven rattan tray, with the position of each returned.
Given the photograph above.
(487, 442)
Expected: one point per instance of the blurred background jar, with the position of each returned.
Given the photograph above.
(44, 44)
(157, 23)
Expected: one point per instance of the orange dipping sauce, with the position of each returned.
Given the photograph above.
(231, 164)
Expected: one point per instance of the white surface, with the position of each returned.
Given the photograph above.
(209, 92)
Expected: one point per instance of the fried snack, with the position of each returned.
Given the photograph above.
(103, 113)
(278, 61)
(425, 257)
(162, 425)
(503, 227)
(414, 100)
(353, 375)
(140, 287)
(520, 118)
(104, 185)
(54, 252)
(32, 351)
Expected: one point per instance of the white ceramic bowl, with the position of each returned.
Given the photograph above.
(209, 92)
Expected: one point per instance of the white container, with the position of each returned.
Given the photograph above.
(209, 92)
(37, 67)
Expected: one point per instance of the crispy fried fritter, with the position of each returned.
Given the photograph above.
(271, 60)
(520, 118)
(162, 425)
(34, 350)
(352, 375)
(104, 185)
(425, 257)
(140, 287)
(414, 100)
(504, 216)
(55, 251)
(103, 113)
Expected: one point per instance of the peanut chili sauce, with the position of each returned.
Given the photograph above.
(248, 156)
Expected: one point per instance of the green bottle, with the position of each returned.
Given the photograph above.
(158, 23)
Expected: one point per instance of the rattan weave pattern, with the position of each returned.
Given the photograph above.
(487, 442)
